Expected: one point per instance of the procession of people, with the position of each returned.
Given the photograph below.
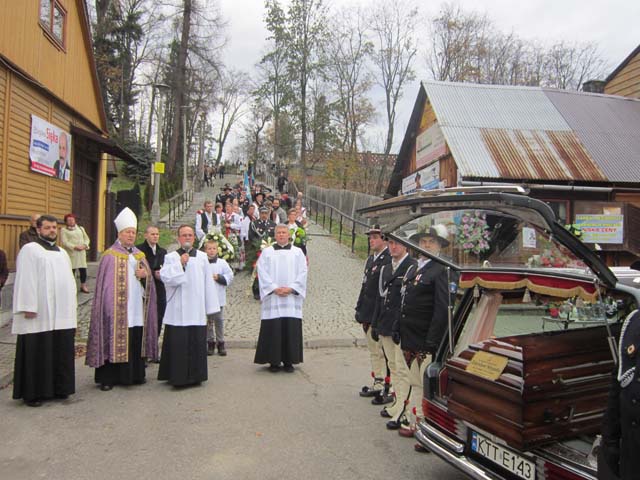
(150, 305)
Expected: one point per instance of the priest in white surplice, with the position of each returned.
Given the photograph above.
(190, 297)
(282, 269)
(44, 318)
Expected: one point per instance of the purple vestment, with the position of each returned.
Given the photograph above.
(108, 331)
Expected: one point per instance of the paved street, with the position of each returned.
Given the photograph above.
(244, 423)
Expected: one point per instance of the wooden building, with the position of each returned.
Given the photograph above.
(577, 151)
(49, 86)
(625, 79)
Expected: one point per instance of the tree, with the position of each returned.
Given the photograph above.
(303, 32)
(392, 22)
(230, 100)
(259, 116)
(274, 86)
(570, 65)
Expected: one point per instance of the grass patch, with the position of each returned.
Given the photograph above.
(361, 244)
(167, 236)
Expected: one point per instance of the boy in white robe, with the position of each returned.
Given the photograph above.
(190, 297)
(220, 274)
(283, 285)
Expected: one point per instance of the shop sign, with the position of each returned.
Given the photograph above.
(430, 146)
(425, 179)
(601, 228)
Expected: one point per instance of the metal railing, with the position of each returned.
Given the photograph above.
(178, 204)
(340, 218)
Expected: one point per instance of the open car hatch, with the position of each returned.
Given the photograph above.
(491, 231)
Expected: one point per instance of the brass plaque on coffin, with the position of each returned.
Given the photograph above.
(487, 365)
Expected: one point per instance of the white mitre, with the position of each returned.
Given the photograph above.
(126, 219)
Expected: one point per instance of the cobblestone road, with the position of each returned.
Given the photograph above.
(332, 290)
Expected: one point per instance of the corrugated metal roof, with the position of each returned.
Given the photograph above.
(609, 128)
(496, 131)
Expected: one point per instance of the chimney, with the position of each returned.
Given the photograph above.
(594, 86)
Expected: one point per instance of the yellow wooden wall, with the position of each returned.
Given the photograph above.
(68, 74)
(23, 192)
(627, 81)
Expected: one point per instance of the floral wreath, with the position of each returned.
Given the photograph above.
(473, 232)
(226, 249)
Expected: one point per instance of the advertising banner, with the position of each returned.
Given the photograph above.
(49, 149)
(430, 146)
(425, 179)
(601, 228)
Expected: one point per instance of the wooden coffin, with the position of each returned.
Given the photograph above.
(554, 386)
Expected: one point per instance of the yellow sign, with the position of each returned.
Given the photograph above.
(487, 365)
(158, 167)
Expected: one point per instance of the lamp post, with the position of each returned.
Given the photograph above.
(185, 150)
(155, 206)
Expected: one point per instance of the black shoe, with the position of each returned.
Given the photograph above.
(384, 413)
(34, 403)
(106, 388)
(396, 424)
(61, 396)
(221, 350)
(288, 368)
(369, 392)
(382, 399)
(211, 348)
(274, 368)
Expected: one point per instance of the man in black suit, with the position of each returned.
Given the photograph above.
(385, 317)
(155, 254)
(369, 296)
(423, 319)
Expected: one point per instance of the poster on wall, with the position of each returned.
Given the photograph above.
(601, 228)
(430, 146)
(425, 179)
(50, 149)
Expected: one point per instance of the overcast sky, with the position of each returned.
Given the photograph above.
(612, 24)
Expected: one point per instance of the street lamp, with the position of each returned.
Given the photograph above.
(185, 151)
(161, 88)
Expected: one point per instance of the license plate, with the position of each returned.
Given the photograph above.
(503, 457)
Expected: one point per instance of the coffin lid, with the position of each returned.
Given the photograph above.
(522, 233)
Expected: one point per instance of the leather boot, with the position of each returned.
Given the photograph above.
(221, 351)
(211, 348)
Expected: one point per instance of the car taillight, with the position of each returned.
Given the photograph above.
(438, 416)
(556, 472)
(443, 382)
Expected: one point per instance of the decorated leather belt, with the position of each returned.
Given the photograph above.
(410, 356)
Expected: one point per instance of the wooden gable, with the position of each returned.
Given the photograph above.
(625, 79)
(68, 71)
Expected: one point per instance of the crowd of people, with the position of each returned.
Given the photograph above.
(143, 290)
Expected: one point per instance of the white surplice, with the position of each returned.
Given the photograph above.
(135, 314)
(282, 268)
(44, 284)
(190, 297)
(222, 268)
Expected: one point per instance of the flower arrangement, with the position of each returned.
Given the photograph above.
(473, 233)
(298, 236)
(226, 249)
